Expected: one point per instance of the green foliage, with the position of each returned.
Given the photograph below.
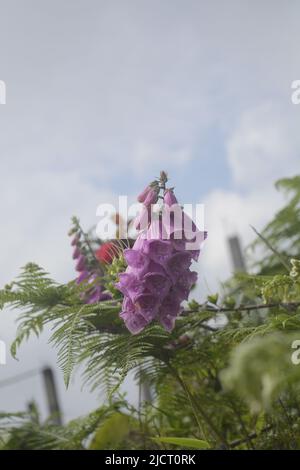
(24, 431)
(261, 369)
(223, 378)
(113, 432)
(184, 442)
(282, 233)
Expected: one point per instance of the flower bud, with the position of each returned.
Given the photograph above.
(75, 239)
(76, 253)
(151, 197)
(80, 266)
(169, 198)
(82, 276)
(150, 194)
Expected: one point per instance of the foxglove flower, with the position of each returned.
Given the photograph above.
(150, 194)
(148, 197)
(151, 197)
(88, 274)
(169, 198)
(158, 277)
(81, 262)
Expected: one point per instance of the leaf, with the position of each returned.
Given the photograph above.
(112, 432)
(183, 442)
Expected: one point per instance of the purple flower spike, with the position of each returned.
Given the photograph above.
(76, 253)
(75, 240)
(80, 263)
(82, 277)
(89, 274)
(158, 277)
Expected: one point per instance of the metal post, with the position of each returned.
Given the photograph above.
(52, 398)
(236, 254)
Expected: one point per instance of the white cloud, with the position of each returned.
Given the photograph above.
(147, 154)
(229, 213)
(265, 146)
(36, 218)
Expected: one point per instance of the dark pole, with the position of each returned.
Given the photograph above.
(52, 398)
(237, 257)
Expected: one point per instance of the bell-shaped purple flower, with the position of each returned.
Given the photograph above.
(88, 275)
(149, 195)
(169, 198)
(134, 321)
(158, 277)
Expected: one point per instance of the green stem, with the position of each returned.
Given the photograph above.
(280, 257)
(87, 241)
(197, 407)
(247, 437)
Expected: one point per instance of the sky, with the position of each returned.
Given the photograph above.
(102, 95)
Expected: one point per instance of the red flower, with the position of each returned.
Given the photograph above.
(106, 253)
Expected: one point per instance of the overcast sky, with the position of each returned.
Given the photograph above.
(101, 95)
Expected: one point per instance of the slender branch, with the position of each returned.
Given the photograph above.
(279, 256)
(204, 308)
(242, 424)
(251, 436)
(87, 241)
(196, 406)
